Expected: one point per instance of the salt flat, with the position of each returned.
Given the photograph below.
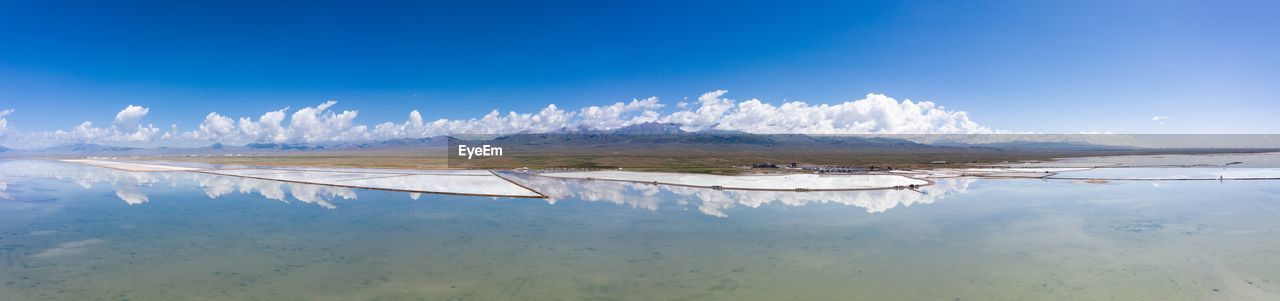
(447, 172)
(1251, 160)
(466, 182)
(1172, 173)
(988, 172)
(129, 166)
(463, 182)
(750, 182)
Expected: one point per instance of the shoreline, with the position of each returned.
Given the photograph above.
(1096, 170)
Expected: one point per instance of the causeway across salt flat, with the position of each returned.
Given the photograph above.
(811, 182)
(462, 182)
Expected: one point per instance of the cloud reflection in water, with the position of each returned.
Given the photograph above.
(129, 186)
(714, 202)
(4, 187)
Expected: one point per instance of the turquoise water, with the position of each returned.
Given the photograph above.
(71, 232)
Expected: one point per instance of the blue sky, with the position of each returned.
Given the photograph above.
(1041, 66)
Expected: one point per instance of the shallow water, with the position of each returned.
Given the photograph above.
(71, 232)
(1168, 173)
(1248, 160)
(790, 182)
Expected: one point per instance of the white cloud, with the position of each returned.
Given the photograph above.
(712, 108)
(4, 121)
(127, 126)
(125, 129)
(216, 127)
(266, 128)
(619, 114)
(872, 114)
(1160, 119)
(128, 118)
(317, 124)
(309, 124)
(549, 119)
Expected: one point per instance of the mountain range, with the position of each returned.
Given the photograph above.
(651, 133)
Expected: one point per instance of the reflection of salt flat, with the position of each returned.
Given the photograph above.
(750, 182)
(465, 182)
(450, 172)
(129, 186)
(130, 166)
(989, 172)
(260, 169)
(1173, 173)
(715, 202)
(1250, 160)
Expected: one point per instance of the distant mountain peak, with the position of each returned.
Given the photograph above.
(651, 127)
(82, 146)
(282, 146)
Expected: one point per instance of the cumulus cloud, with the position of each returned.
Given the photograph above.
(126, 129)
(309, 124)
(549, 119)
(620, 114)
(318, 123)
(4, 121)
(872, 114)
(128, 118)
(712, 109)
(127, 126)
(266, 128)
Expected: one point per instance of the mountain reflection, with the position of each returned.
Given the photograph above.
(129, 186)
(714, 202)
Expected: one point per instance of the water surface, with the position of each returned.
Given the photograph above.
(71, 232)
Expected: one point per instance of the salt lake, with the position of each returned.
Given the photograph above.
(78, 232)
